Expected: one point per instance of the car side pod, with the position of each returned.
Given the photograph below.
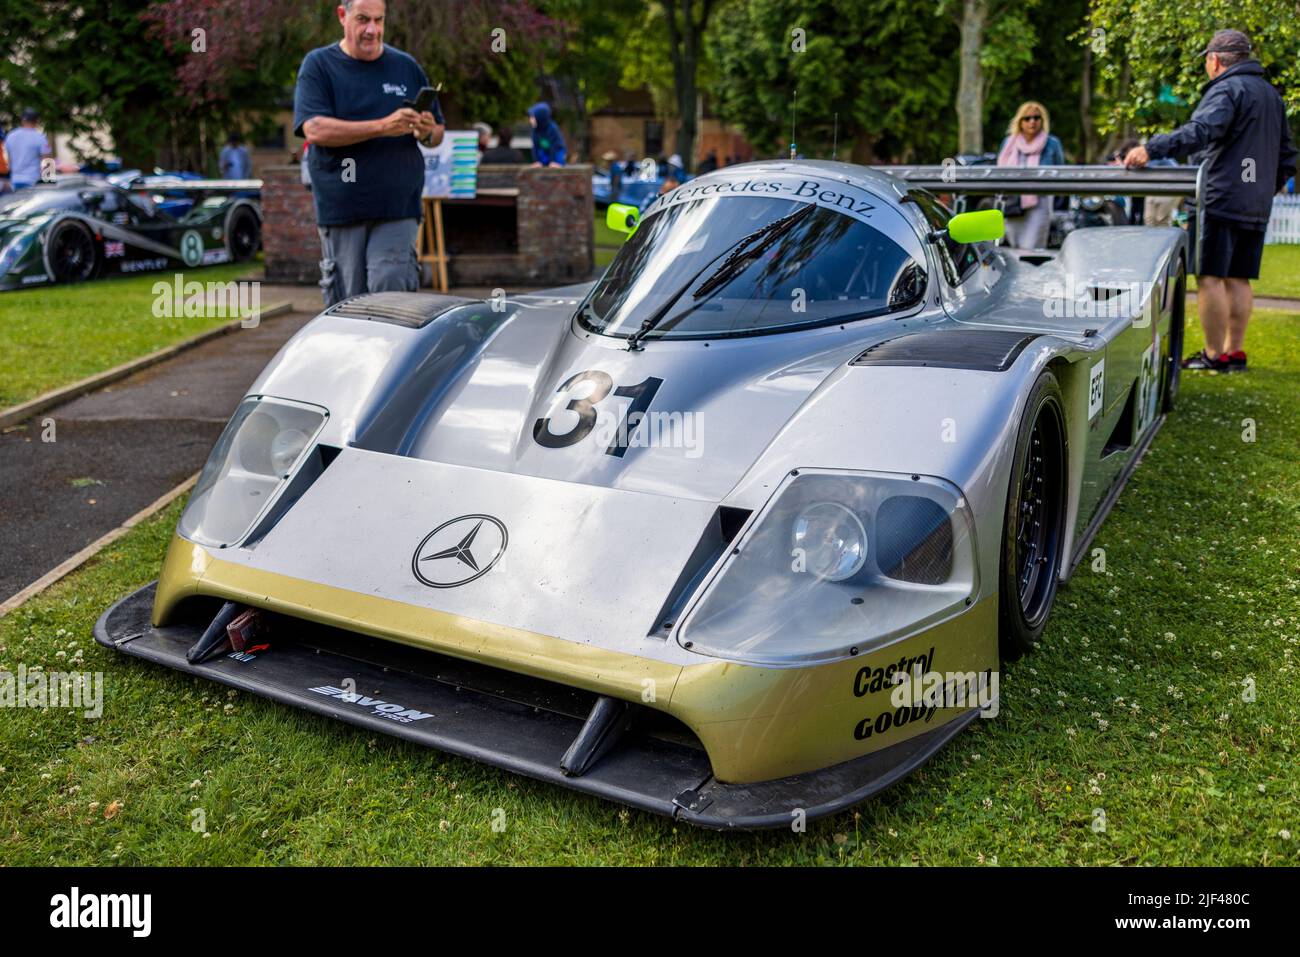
(554, 733)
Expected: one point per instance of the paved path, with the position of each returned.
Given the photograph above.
(118, 449)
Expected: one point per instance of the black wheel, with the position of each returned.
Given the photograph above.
(243, 234)
(1173, 358)
(71, 253)
(1034, 528)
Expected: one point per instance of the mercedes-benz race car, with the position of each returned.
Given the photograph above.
(682, 537)
(80, 229)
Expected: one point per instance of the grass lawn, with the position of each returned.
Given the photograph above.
(607, 240)
(55, 335)
(1279, 274)
(1134, 705)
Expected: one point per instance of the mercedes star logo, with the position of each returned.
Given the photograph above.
(459, 551)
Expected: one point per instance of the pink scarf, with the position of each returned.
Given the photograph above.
(1021, 152)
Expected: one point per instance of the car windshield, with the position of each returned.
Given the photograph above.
(30, 202)
(732, 266)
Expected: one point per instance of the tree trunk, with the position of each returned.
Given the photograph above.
(684, 50)
(1089, 134)
(970, 83)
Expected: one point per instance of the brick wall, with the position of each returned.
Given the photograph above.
(290, 244)
(554, 216)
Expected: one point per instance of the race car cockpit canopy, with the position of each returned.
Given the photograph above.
(769, 252)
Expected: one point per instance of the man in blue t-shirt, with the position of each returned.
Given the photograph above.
(26, 146)
(235, 161)
(365, 164)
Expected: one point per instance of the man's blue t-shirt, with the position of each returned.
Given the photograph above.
(387, 174)
(236, 163)
(26, 146)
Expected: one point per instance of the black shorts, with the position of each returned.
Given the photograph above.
(1228, 249)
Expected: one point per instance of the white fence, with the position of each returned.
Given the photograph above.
(1284, 224)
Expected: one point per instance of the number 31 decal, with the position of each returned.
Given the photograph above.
(595, 385)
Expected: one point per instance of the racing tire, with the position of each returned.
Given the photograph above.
(71, 252)
(1177, 329)
(243, 234)
(1033, 532)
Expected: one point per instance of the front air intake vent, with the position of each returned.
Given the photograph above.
(414, 310)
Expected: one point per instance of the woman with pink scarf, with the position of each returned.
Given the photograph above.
(1029, 143)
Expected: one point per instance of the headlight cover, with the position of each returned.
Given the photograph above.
(257, 454)
(838, 563)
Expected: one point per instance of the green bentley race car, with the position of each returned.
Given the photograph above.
(79, 229)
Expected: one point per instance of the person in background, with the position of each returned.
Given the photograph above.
(503, 152)
(615, 175)
(235, 161)
(669, 184)
(4, 164)
(548, 141)
(366, 169)
(1239, 125)
(1029, 142)
(630, 165)
(26, 147)
(675, 167)
(709, 163)
(484, 138)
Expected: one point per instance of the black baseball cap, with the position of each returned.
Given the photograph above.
(1227, 41)
(30, 115)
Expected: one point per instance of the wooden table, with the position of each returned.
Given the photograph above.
(433, 242)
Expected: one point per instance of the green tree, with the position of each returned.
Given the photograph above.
(1148, 74)
(877, 65)
(996, 43)
(92, 67)
(686, 22)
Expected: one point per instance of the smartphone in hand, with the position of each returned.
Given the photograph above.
(426, 101)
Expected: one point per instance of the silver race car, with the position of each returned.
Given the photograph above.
(739, 533)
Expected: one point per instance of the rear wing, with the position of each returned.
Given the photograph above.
(1186, 181)
(1054, 180)
(176, 184)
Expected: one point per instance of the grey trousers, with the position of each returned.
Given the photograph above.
(372, 256)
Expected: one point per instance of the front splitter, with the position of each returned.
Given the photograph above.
(426, 699)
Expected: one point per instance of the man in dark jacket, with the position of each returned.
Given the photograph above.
(1240, 131)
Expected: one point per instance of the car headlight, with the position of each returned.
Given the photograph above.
(257, 454)
(838, 563)
(831, 539)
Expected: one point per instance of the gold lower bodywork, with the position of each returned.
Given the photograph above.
(756, 723)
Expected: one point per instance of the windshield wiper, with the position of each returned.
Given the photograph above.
(741, 251)
(740, 259)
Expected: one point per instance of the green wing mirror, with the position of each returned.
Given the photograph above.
(623, 218)
(977, 226)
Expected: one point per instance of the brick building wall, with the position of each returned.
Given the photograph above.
(290, 244)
